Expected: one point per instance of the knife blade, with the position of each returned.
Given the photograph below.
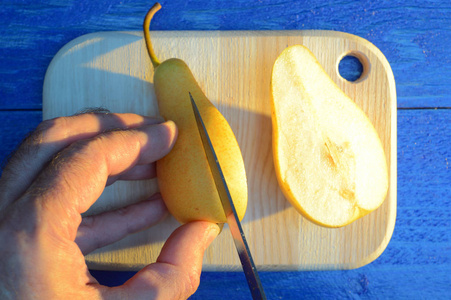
(233, 221)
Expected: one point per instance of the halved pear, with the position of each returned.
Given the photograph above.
(329, 160)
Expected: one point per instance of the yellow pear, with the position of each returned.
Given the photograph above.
(184, 177)
(329, 160)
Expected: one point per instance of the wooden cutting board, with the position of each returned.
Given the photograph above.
(112, 70)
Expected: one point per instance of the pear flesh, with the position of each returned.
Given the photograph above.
(329, 160)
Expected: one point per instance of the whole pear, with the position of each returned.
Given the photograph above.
(328, 157)
(184, 177)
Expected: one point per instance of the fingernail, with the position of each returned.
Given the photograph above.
(213, 232)
(172, 129)
(221, 226)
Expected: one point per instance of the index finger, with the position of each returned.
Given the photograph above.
(49, 138)
(76, 177)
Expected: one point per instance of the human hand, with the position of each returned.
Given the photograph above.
(57, 173)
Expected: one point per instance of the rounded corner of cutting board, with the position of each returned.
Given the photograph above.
(57, 58)
(377, 252)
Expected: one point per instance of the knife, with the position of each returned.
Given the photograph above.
(253, 280)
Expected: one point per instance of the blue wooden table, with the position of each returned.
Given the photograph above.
(415, 36)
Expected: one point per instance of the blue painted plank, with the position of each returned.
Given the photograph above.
(15, 126)
(415, 36)
(431, 282)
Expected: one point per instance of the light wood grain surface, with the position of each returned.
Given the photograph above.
(112, 70)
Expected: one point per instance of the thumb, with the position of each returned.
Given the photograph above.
(176, 273)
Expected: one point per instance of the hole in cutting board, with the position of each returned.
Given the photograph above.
(353, 66)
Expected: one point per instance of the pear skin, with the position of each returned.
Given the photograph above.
(184, 177)
(329, 160)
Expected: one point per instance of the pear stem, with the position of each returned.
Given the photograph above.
(156, 7)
